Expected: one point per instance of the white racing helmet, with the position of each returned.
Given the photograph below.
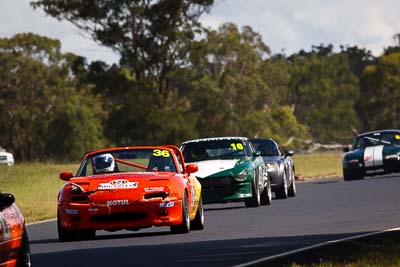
(104, 163)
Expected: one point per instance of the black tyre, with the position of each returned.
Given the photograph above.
(24, 253)
(282, 191)
(292, 188)
(266, 195)
(198, 222)
(255, 200)
(68, 235)
(352, 175)
(184, 227)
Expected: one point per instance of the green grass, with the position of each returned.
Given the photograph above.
(318, 165)
(35, 187)
(381, 250)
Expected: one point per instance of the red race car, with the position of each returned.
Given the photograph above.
(129, 188)
(14, 243)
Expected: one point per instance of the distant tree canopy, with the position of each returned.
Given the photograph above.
(44, 115)
(178, 81)
(150, 36)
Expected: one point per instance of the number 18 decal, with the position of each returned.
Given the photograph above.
(238, 146)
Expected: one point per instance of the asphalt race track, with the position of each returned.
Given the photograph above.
(321, 211)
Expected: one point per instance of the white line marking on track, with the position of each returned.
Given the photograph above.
(312, 247)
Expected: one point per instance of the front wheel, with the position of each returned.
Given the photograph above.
(255, 200)
(352, 175)
(184, 227)
(292, 189)
(69, 235)
(24, 253)
(282, 191)
(198, 222)
(266, 195)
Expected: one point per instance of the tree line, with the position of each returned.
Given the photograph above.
(177, 80)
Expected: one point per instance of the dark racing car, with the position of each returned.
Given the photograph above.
(372, 153)
(280, 166)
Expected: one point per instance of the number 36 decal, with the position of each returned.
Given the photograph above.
(161, 153)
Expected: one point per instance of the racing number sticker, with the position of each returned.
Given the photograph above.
(161, 153)
(238, 146)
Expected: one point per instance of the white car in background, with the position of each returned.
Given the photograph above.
(6, 158)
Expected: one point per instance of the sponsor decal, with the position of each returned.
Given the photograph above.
(71, 211)
(117, 184)
(154, 189)
(167, 204)
(117, 202)
(93, 210)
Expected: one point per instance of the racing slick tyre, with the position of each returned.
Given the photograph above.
(184, 227)
(266, 195)
(198, 222)
(255, 200)
(24, 252)
(68, 235)
(282, 191)
(352, 175)
(292, 189)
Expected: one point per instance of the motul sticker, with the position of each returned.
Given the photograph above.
(114, 184)
(117, 202)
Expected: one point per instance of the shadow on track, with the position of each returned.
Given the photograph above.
(204, 253)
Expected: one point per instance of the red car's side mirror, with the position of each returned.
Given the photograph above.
(65, 176)
(191, 168)
(6, 200)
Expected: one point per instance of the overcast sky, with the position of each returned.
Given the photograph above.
(285, 25)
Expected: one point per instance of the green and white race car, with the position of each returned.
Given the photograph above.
(372, 153)
(229, 170)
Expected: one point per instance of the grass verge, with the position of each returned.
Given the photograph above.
(318, 165)
(35, 187)
(381, 250)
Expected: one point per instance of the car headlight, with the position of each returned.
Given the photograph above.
(77, 189)
(241, 176)
(353, 161)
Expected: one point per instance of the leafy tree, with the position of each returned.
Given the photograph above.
(380, 92)
(239, 88)
(325, 92)
(36, 84)
(150, 36)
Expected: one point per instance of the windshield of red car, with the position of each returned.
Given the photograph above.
(129, 160)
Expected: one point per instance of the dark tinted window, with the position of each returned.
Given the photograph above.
(266, 147)
(215, 149)
(375, 139)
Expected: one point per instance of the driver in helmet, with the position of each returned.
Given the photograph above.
(199, 153)
(104, 163)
